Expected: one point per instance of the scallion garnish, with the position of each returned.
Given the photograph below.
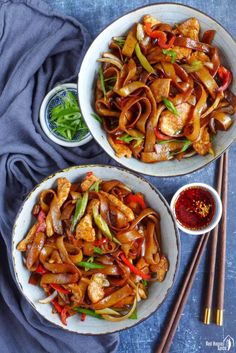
(67, 119)
(170, 106)
(101, 78)
(120, 41)
(193, 67)
(127, 139)
(170, 53)
(97, 117)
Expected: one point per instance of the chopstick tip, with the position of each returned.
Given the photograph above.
(219, 317)
(207, 316)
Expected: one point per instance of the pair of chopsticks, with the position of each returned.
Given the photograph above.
(170, 329)
(222, 185)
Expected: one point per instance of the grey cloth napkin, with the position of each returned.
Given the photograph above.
(38, 48)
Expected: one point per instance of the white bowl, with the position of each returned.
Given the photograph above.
(44, 119)
(170, 13)
(170, 246)
(218, 208)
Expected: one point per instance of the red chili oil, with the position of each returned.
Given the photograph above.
(195, 208)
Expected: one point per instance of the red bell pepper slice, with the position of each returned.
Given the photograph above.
(160, 35)
(42, 222)
(160, 136)
(41, 217)
(133, 268)
(57, 306)
(59, 288)
(63, 311)
(83, 317)
(120, 142)
(63, 316)
(226, 77)
(137, 199)
(41, 270)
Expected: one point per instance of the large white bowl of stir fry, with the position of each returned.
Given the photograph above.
(156, 89)
(95, 249)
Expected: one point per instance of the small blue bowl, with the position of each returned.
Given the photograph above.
(51, 100)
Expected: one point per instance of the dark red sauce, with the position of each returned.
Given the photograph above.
(195, 208)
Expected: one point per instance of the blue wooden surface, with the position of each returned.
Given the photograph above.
(192, 336)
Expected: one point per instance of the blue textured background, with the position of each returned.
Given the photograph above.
(191, 335)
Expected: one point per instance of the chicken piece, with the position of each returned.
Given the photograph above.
(161, 268)
(63, 189)
(129, 214)
(88, 181)
(93, 203)
(120, 150)
(150, 19)
(78, 290)
(85, 230)
(163, 151)
(203, 145)
(160, 87)
(181, 53)
(171, 124)
(190, 28)
(95, 287)
(199, 56)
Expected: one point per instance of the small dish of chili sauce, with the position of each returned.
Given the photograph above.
(197, 208)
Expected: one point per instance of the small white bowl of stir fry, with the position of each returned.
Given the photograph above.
(156, 90)
(95, 249)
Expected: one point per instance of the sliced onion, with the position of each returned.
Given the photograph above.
(48, 299)
(107, 311)
(111, 61)
(209, 65)
(140, 34)
(190, 154)
(212, 125)
(121, 318)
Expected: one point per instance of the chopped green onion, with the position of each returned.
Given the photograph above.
(80, 208)
(87, 312)
(185, 146)
(120, 41)
(97, 250)
(170, 53)
(102, 225)
(143, 60)
(95, 186)
(170, 106)
(127, 139)
(193, 67)
(101, 77)
(134, 315)
(110, 82)
(97, 117)
(144, 282)
(67, 119)
(90, 265)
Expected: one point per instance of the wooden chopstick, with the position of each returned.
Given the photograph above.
(212, 254)
(222, 246)
(165, 343)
